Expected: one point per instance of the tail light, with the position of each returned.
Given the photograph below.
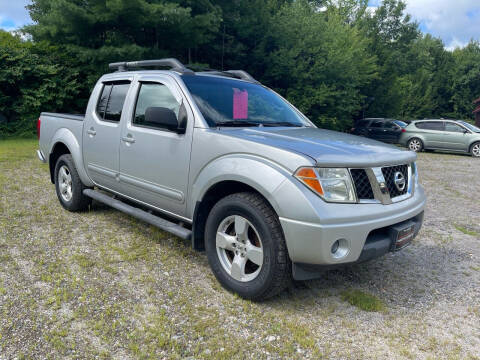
(403, 130)
(39, 122)
(352, 129)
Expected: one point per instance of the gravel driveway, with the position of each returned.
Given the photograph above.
(104, 285)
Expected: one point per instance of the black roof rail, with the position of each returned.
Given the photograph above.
(172, 63)
(242, 74)
(236, 74)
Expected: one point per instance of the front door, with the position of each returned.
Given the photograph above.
(154, 161)
(101, 133)
(455, 137)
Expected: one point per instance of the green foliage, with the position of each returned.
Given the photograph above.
(333, 59)
(33, 78)
(319, 63)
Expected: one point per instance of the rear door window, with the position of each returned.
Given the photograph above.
(363, 123)
(391, 125)
(377, 124)
(430, 125)
(112, 99)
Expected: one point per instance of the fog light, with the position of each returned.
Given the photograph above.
(335, 246)
(340, 248)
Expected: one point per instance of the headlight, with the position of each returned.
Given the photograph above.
(331, 184)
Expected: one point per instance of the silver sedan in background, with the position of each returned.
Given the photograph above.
(449, 135)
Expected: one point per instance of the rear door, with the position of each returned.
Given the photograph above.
(375, 130)
(455, 137)
(432, 133)
(391, 132)
(101, 133)
(154, 162)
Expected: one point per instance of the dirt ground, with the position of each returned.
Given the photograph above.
(101, 284)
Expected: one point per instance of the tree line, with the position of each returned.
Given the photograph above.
(335, 60)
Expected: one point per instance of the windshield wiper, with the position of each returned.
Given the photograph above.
(237, 123)
(281, 123)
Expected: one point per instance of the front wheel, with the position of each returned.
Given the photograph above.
(246, 248)
(475, 149)
(68, 185)
(415, 145)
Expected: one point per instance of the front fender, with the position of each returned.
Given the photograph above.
(65, 136)
(261, 174)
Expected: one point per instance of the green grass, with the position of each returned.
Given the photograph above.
(364, 301)
(467, 231)
(17, 149)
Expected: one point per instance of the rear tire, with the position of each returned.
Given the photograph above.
(475, 149)
(415, 144)
(246, 248)
(68, 185)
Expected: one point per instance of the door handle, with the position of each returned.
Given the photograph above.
(128, 139)
(91, 131)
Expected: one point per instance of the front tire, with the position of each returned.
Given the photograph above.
(246, 248)
(415, 144)
(475, 150)
(68, 185)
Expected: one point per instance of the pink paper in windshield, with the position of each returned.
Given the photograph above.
(240, 104)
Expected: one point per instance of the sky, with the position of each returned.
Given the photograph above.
(454, 21)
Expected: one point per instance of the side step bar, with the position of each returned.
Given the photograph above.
(157, 221)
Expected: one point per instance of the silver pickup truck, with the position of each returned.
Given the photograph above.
(221, 160)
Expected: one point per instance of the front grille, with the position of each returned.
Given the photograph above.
(362, 184)
(389, 175)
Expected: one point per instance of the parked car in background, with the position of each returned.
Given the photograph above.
(451, 135)
(386, 130)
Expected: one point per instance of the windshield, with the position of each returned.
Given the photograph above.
(470, 126)
(229, 102)
(400, 123)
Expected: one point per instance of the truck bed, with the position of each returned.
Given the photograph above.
(55, 125)
(77, 117)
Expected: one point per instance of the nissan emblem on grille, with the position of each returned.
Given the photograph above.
(399, 181)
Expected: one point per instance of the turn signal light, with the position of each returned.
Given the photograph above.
(309, 177)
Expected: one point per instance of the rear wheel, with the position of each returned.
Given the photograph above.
(475, 149)
(68, 185)
(246, 248)
(415, 144)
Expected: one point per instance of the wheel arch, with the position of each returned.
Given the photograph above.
(419, 137)
(229, 175)
(58, 150)
(473, 143)
(214, 194)
(65, 142)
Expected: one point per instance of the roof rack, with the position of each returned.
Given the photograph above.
(172, 63)
(176, 65)
(241, 74)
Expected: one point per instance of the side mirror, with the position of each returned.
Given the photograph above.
(182, 119)
(161, 117)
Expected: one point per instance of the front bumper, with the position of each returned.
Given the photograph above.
(352, 225)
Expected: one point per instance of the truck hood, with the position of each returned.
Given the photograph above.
(328, 148)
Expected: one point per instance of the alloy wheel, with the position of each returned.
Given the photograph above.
(476, 150)
(415, 145)
(65, 183)
(239, 248)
